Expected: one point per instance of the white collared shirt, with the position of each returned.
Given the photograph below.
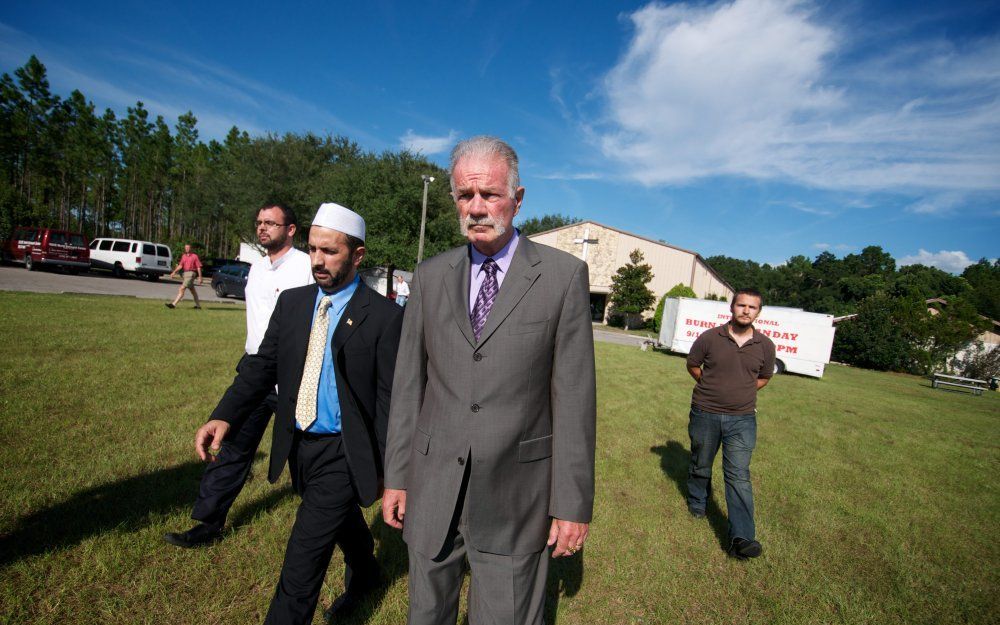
(265, 283)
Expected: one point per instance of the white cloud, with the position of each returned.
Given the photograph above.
(806, 208)
(952, 262)
(840, 247)
(752, 88)
(937, 204)
(583, 175)
(427, 144)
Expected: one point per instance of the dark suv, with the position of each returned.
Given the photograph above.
(210, 265)
(49, 247)
(231, 280)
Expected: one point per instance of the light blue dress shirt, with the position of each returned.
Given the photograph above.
(327, 400)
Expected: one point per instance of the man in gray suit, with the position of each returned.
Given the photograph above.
(490, 453)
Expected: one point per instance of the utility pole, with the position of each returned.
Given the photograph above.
(423, 218)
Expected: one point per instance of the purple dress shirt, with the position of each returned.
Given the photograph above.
(502, 259)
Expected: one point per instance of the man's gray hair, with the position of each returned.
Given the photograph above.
(487, 146)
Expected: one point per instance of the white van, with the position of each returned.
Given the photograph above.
(123, 256)
(802, 340)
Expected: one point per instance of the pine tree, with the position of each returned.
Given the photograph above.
(629, 294)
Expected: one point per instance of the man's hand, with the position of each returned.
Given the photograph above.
(394, 507)
(209, 436)
(567, 536)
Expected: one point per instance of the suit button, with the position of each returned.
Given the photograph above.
(475, 407)
(461, 461)
(477, 356)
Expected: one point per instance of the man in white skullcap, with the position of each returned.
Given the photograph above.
(331, 349)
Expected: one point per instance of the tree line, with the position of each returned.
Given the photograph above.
(916, 319)
(894, 327)
(837, 286)
(63, 164)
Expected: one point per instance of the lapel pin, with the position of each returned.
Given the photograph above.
(350, 322)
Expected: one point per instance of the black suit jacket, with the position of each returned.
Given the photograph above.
(364, 355)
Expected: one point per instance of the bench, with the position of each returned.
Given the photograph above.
(940, 380)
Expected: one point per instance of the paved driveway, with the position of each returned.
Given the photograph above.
(17, 278)
(617, 337)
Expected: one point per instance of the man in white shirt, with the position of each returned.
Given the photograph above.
(402, 291)
(282, 268)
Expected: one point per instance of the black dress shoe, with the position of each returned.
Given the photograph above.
(201, 534)
(742, 549)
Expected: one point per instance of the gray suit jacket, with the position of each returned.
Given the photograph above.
(521, 401)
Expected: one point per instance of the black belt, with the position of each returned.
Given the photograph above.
(309, 436)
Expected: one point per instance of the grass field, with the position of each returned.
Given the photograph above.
(876, 495)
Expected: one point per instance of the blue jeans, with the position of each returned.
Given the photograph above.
(738, 436)
(401, 299)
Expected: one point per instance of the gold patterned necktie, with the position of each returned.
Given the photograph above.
(305, 406)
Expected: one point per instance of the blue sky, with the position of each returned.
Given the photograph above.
(758, 129)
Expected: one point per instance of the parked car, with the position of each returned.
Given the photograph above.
(231, 280)
(49, 247)
(211, 265)
(125, 256)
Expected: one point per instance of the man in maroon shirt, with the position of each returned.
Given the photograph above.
(730, 363)
(190, 264)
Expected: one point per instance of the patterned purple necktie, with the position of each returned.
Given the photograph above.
(484, 301)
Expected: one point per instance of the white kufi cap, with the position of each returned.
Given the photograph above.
(341, 219)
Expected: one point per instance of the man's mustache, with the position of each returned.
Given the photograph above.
(469, 221)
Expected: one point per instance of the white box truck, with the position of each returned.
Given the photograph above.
(802, 340)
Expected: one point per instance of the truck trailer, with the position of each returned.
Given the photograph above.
(802, 340)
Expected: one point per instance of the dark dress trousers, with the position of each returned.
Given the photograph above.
(334, 474)
(224, 479)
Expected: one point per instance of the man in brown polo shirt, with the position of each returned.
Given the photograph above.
(730, 363)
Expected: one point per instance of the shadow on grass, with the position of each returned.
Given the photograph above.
(126, 504)
(674, 461)
(390, 553)
(565, 578)
(247, 513)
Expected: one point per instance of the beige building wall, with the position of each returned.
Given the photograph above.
(671, 265)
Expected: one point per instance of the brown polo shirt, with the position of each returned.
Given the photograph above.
(729, 373)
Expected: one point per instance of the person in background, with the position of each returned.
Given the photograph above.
(730, 363)
(402, 291)
(282, 268)
(191, 265)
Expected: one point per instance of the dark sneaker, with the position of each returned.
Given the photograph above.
(743, 549)
(169, 305)
(698, 514)
(201, 534)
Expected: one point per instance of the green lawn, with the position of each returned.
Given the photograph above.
(876, 495)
